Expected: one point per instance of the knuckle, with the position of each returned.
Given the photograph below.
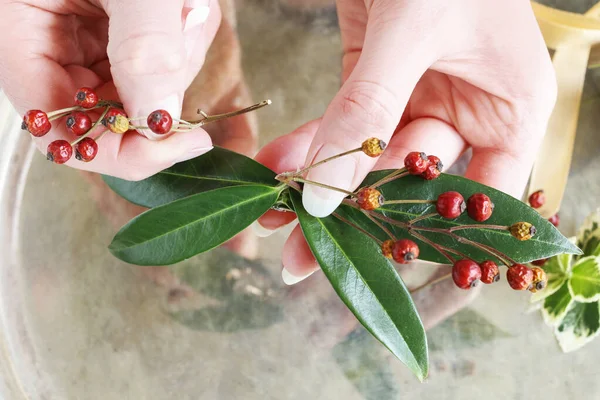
(368, 105)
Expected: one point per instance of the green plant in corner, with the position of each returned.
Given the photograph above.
(400, 215)
(570, 304)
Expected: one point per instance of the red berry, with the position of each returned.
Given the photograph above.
(86, 98)
(554, 220)
(519, 277)
(480, 207)
(466, 273)
(86, 150)
(539, 263)
(434, 169)
(160, 122)
(369, 198)
(59, 151)
(537, 199)
(450, 205)
(116, 120)
(78, 123)
(36, 122)
(489, 272)
(416, 163)
(404, 251)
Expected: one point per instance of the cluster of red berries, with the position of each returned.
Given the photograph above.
(451, 205)
(79, 123)
(427, 167)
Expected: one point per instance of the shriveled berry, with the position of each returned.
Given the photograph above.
(466, 273)
(416, 163)
(489, 272)
(59, 151)
(519, 277)
(523, 230)
(554, 220)
(405, 251)
(369, 198)
(480, 207)
(450, 205)
(116, 120)
(539, 263)
(36, 122)
(387, 247)
(373, 147)
(537, 199)
(434, 169)
(540, 280)
(78, 123)
(86, 97)
(160, 122)
(86, 150)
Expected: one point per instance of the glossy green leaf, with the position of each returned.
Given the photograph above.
(176, 231)
(580, 325)
(556, 305)
(584, 284)
(216, 169)
(556, 270)
(369, 285)
(588, 237)
(546, 243)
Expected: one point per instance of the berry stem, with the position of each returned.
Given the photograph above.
(494, 227)
(212, 118)
(302, 180)
(98, 122)
(352, 224)
(431, 283)
(441, 249)
(409, 202)
(400, 173)
(302, 171)
(421, 218)
(379, 224)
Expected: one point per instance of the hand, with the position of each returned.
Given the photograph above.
(432, 76)
(155, 50)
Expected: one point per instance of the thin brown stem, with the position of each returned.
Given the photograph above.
(495, 227)
(399, 173)
(421, 218)
(62, 112)
(370, 215)
(436, 246)
(431, 283)
(352, 224)
(296, 179)
(390, 220)
(213, 118)
(98, 122)
(409, 202)
(302, 171)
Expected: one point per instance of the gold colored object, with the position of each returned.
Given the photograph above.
(523, 230)
(573, 37)
(540, 280)
(373, 147)
(119, 125)
(386, 248)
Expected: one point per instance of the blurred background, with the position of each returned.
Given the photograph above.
(76, 323)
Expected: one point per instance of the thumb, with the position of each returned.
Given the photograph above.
(148, 54)
(369, 104)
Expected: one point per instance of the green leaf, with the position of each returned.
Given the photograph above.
(176, 231)
(579, 326)
(556, 305)
(585, 280)
(556, 270)
(216, 169)
(588, 237)
(369, 285)
(546, 243)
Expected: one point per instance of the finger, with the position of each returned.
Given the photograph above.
(428, 135)
(369, 104)
(149, 59)
(298, 261)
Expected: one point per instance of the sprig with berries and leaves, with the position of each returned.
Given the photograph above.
(415, 212)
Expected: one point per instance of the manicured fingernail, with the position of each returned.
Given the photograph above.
(319, 201)
(171, 103)
(193, 153)
(291, 279)
(261, 231)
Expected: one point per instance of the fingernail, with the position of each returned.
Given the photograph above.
(261, 231)
(171, 103)
(194, 24)
(319, 201)
(291, 279)
(193, 153)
